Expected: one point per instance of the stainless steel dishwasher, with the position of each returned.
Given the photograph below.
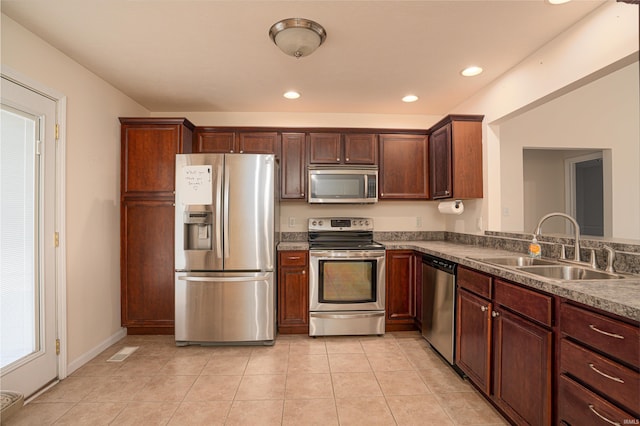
(438, 305)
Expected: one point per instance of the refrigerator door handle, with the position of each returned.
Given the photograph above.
(226, 213)
(218, 207)
(224, 279)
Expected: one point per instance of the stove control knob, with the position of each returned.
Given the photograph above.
(314, 223)
(366, 222)
(320, 223)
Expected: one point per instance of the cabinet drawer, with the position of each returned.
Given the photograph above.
(475, 282)
(619, 383)
(578, 406)
(531, 304)
(613, 337)
(294, 258)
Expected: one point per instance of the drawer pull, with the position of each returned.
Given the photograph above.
(594, 328)
(294, 257)
(593, 410)
(615, 379)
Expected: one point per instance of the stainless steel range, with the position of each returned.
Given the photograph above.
(346, 282)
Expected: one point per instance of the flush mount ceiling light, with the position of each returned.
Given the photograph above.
(471, 71)
(410, 98)
(297, 37)
(554, 2)
(291, 94)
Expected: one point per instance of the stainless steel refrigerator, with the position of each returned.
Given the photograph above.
(225, 236)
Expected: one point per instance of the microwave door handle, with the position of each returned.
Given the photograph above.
(218, 209)
(366, 186)
(227, 201)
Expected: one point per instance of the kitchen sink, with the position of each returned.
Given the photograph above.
(517, 261)
(569, 273)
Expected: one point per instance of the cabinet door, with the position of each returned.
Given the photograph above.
(215, 142)
(360, 148)
(292, 167)
(400, 292)
(325, 148)
(522, 368)
(147, 271)
(473, 338)
(403, 167)
(293, 292)
(440, 175)
(258, 143)
(148, 159)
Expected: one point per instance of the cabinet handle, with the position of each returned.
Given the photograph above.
(294, 257)
(302, 194)
(615, 379)
(594, 328)
(337, 159)
(495, 314)
(304, 272)
(484, 308)
(593, 410)
(241, 151)
(346, 159)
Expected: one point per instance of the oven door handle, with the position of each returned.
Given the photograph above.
(350, 254)
(346, 316)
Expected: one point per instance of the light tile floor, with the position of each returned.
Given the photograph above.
(392, 380)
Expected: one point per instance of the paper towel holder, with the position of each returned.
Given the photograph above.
(458, 202)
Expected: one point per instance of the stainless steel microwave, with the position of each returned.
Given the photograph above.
(356, 185)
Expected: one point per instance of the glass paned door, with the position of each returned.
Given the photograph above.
(28, 356)
(19, 258)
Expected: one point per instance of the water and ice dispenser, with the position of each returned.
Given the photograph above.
(198, 227)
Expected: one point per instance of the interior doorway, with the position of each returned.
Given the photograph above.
(585, 184)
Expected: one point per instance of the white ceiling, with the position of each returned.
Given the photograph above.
(215, 55)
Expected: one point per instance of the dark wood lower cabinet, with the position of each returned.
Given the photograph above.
(505, 354)
(293, 292)
(147, 275)
(400, 281)
(473, 339)
(522, 376)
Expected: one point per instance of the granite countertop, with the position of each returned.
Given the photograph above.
(621, 297)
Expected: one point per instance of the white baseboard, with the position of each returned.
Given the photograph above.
(89, 355)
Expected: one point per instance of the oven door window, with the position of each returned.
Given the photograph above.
(347, 281)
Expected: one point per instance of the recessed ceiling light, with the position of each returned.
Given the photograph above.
(410, 98)
(471, 71)
(291, 94)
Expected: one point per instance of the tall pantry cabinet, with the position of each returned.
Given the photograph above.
(147, 196)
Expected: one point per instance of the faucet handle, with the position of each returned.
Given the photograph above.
(611, 257)
(592, 259)
(563, 252)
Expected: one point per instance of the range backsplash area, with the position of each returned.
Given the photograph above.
(627, 253)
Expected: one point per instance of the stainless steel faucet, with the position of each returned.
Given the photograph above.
(576, 228)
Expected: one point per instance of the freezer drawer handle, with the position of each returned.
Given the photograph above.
(347, 316)
(227, 279)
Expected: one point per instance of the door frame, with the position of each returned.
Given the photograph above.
(570, 187)
(60, 203)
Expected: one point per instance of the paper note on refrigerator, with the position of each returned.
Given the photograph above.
(196, 185)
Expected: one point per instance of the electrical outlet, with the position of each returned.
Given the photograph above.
(418, 222)
(292, 221)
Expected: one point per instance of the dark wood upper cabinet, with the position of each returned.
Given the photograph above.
(455, 157)
(403, 167)
(325, 148)
(259, 142)
(293, 176)
(343, 148)
(148, 150)
(230, 141)
(360, 148)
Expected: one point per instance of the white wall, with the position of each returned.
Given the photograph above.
(600, 115)
(602, 43)
(93, 183)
